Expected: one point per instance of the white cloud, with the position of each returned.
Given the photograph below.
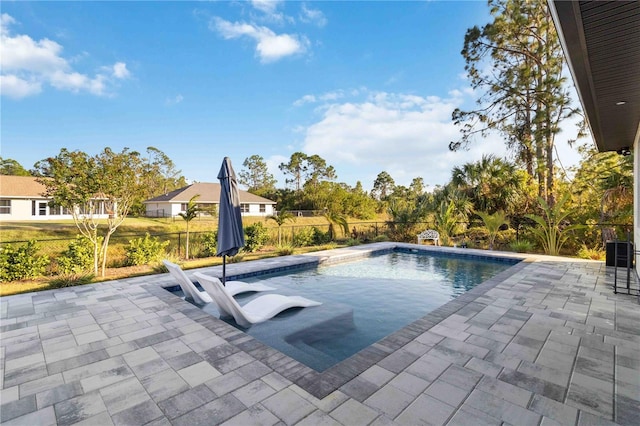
(120, 70)
(311, 99)
(270, 13)
(28, 64)
(15, 87)
(270, 46)
(174, 101)
(306, 99)
(312, 16)
(404, 134)
(76, 82)
(266, 6)
(5, 21)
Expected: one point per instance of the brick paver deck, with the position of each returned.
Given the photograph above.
(546, 342)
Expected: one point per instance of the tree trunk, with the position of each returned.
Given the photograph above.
(187, 242)
(550, 170)
(105, 245)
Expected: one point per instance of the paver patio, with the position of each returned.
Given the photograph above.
(545, 342)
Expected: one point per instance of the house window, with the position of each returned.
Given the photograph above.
(244, 208)
(42, 208)
(184, 207)
(5, 206)
(263, 208)
(58, 210)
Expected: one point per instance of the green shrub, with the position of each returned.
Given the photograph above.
(303, 237)
(77, 258)
(320, 237)
(209, 243)
(285, 250)
(381, 238)
(142, 251)
(328, 246)
(591, 253)
(521, 246)
(70, 280)
(352, 242)
(18, 263)
(256, 236)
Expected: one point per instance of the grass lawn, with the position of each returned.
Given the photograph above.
(53, 238)
(51, 229)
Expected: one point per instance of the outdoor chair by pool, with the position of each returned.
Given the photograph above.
(202, 297)
(258, 310)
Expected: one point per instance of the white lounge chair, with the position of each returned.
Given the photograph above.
(258, 310)
(202, 297)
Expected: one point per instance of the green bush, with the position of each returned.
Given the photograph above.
(352, 242)
(285, 250)
(209, 243)
(320, 237)
(328, 246)
(381, 238)
(142, 251)
(256, 236)
(521, 246)
(77, 258)
(18, 263)
(591, 253)
(303, 237)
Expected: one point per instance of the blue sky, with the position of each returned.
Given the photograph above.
(368, 86)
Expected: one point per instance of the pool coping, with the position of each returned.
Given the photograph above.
(321, 384)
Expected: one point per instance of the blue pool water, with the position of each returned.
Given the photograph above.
(362, 301)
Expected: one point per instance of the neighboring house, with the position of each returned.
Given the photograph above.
(175, 202)
(21, 198)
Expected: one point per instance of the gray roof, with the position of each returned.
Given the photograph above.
(208, 192)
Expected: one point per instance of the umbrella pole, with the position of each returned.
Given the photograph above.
(224, 269)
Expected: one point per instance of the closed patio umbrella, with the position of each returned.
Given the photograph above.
(230, 231)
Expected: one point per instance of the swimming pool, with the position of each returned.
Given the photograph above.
(362, 300)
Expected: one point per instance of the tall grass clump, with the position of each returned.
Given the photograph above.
(591, 253)
(71, 280)
(521, 246)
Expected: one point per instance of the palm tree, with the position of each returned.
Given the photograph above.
(493, 222)
(335, 219)
(188, 215)
(552, 230)
(491, 183)
(447, 221)
(281, 218)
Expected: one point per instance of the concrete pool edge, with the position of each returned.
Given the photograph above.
(321, 384)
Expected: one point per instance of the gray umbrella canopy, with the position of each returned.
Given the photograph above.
(230, 231)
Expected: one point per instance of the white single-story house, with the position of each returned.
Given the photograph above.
(21, 198)
(601, 41)
(175, 202)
